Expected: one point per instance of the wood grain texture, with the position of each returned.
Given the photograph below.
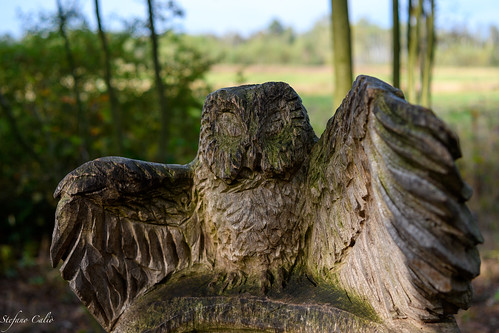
(364, 228)
(120, 229)
(388, 201)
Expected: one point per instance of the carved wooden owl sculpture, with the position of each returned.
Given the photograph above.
(365, 228)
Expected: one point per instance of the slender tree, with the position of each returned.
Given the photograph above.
(494, 45)
(81, 117)
(409, 31)
(429, 55)
(396, 44)
(113, 101)
(342, 47)
(413, 50)
(164, 136)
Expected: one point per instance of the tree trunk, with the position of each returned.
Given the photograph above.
(164, 114)
(396, 44)
(342, 48)
(429, 56)
(413, 47)
(82, 117)
(113, 101)
(408, 32)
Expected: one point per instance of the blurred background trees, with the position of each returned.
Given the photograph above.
(70, 92)
(420, 50)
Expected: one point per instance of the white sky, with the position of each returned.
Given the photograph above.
(248, 16)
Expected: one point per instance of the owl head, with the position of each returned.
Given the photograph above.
(251, 129)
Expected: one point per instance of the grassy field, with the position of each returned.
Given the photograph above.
(456, 91)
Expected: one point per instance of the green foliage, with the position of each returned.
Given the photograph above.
(278, 44)
(461, 47)
(41, 141)
(371, 43)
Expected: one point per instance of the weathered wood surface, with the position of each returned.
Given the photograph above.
(271, 228)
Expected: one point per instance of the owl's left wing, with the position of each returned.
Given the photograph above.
(388, 206)
(122, 226)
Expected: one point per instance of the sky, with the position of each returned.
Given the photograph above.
(248, 16)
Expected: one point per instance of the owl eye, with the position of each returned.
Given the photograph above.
(229, 125)
(274, 126)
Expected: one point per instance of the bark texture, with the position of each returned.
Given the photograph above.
(271, 229)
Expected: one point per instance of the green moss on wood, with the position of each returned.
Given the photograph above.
(195, 301)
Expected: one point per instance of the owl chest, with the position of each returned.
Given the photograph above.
(259, 223)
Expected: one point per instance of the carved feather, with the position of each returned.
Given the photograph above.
(388, 205)
(120, 229)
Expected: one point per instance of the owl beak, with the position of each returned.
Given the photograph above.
(253, 158)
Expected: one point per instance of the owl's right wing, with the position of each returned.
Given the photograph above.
(122, 226)
(389, 213)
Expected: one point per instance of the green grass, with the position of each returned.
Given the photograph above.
(305, 80)
(454, 101)
(320, 109)
(456, 91)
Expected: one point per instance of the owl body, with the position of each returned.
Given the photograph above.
(253, 142)
(255, 224)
